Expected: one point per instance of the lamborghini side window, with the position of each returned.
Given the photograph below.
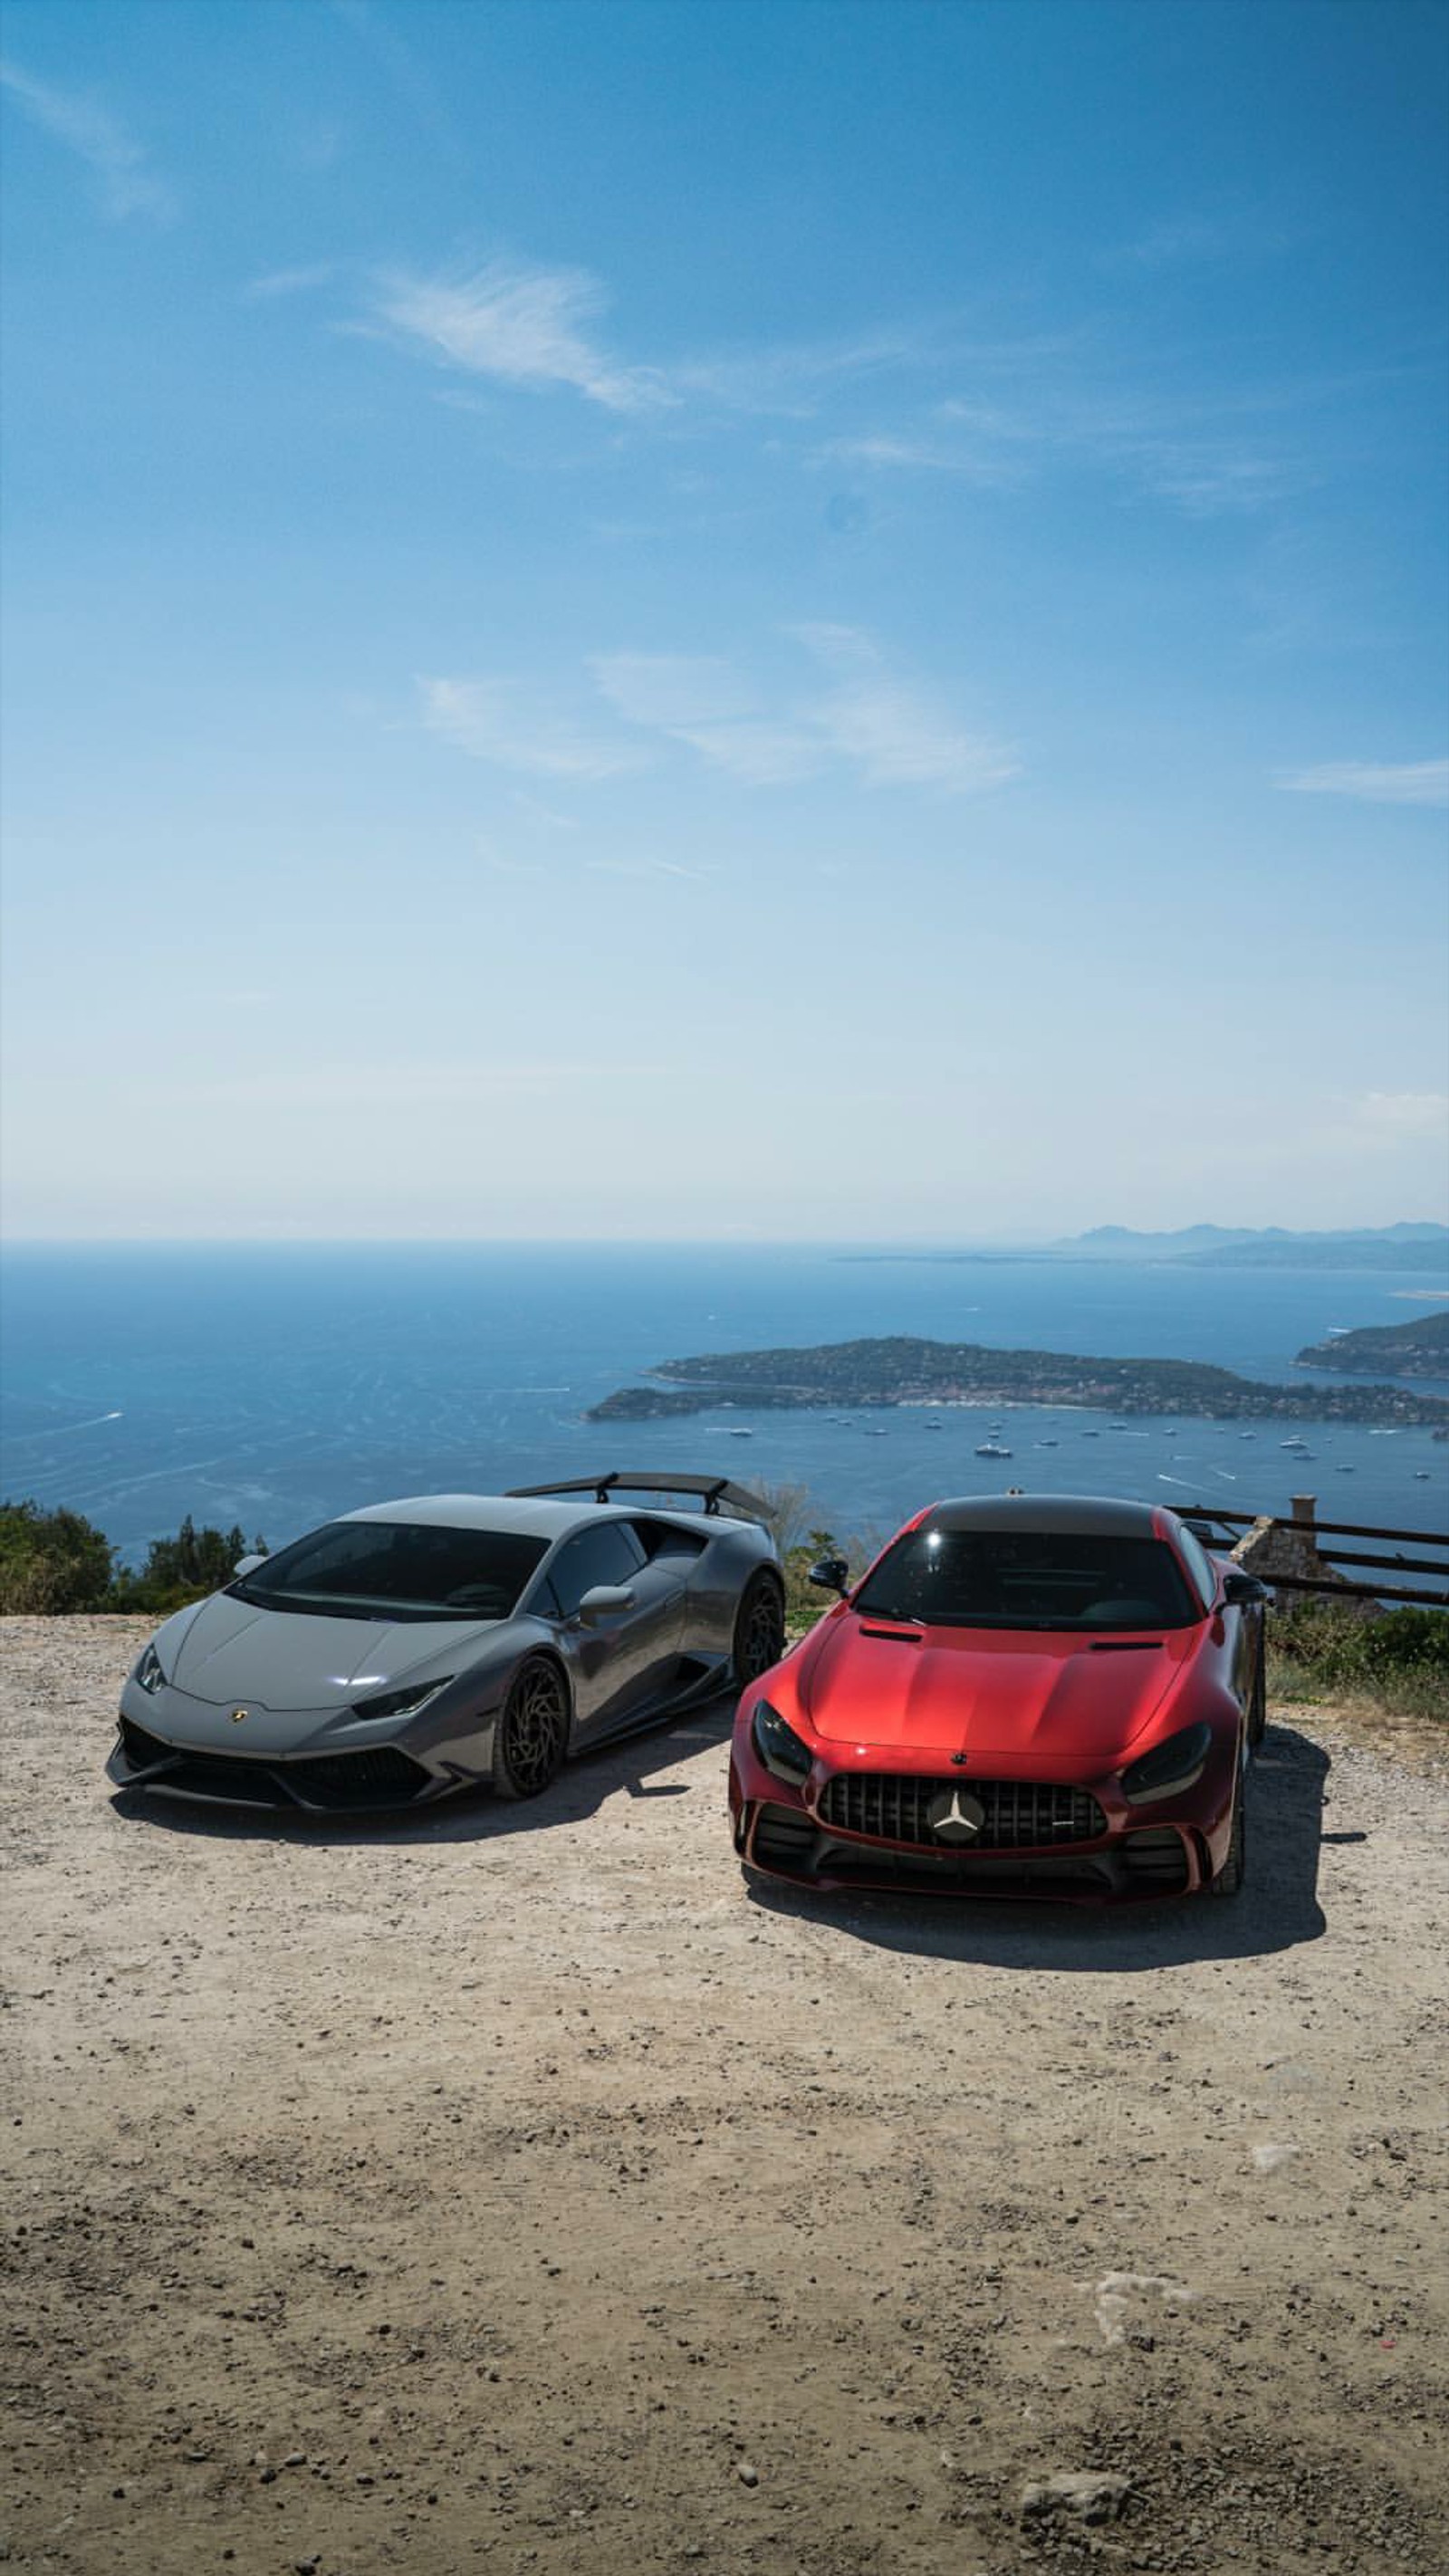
(661, 1539)
(608, 1554)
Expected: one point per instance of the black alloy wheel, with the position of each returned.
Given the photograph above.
(1234, 1870)
(533, 1731)
(759, 1638)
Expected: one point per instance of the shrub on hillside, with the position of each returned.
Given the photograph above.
(1328, 1649)
(51, 1561)
(183, 1568)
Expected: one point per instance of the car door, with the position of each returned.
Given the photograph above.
(624, 1662)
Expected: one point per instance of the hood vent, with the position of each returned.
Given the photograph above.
(1125, 1645)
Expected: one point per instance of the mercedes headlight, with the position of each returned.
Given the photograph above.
(401, 1703)
(1169, 1766)
(779, 1747)
(148, 1674)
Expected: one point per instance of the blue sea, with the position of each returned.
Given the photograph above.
(278, 1385)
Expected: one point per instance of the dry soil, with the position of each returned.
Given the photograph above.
(514, 2189)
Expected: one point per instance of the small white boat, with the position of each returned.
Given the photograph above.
(739, 1434)
(992, 1449)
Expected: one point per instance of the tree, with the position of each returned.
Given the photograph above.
(184, 1568)
(51, 1561)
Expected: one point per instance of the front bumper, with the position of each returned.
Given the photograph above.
(1076, 1843)
(372, 1778)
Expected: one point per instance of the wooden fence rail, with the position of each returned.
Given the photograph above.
(1307, 1535)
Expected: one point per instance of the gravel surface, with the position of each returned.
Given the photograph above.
(514, 2189)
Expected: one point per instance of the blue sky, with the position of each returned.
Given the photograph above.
(801, 620)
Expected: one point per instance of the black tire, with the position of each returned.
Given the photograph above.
(1234, 1870)
(759, 1639)
(532, 1734)
(1258, 1698)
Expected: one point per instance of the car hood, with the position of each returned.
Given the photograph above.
(988, 1692)
(285, 1659)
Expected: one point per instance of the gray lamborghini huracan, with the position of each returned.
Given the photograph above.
(453, 1641)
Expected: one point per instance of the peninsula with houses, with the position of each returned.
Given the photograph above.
(900, 1370)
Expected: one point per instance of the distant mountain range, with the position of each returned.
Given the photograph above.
(1418, 1248)
(1422, 1250)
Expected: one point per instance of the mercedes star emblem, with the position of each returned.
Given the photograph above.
(955, 1816)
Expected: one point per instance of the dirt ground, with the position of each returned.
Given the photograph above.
(514, 2189)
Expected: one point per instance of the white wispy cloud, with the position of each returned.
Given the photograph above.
(789, 380)
(897, 736)
(1169, 244)
(1404, 782)
(913, 454)
(1405, 1116)
(889, 730)
(673, 690)
(1202, 473)
(121, 166)
(642, 867)
(289, 281)
(504, 722)
(1236, 230)
(546, 816)
(892, 732)
(521, 325)
(712, 708)
(841, 648)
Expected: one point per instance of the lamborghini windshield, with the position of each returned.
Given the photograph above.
(396, 1570)
(975, 1578)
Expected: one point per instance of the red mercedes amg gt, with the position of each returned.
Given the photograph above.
(1023, 1697)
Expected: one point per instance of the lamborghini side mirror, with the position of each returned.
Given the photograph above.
(604, 1601)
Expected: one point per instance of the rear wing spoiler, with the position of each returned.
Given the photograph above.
(716, 1493)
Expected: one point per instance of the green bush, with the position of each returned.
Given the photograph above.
(184, 1568)
(51, 1562)
(1326, 1650)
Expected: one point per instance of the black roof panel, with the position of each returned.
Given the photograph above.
(1097, 1515)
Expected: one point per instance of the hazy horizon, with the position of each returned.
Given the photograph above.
(740, 1238)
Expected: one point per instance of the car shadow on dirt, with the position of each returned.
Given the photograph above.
(1277, 1909)
(581, 1789)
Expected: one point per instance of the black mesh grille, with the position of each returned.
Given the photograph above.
(142, 1748)
(1019, 1815)
(784, 1838)
(212, 1776)
(383, 1777)
(1043, 1876)
(354, 1779)
(1155, 1860)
